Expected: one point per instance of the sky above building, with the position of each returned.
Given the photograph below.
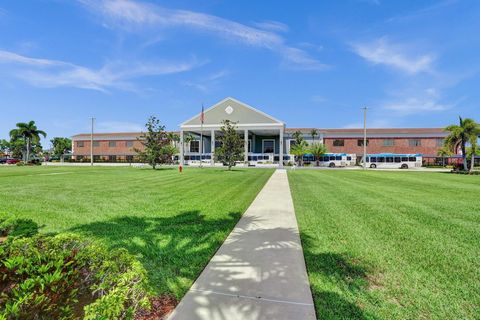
(308, 63)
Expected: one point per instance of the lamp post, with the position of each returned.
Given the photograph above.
(364, 138)
(91, 143)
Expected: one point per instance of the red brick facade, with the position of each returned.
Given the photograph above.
(428, 146)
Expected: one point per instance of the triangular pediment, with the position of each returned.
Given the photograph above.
(233, 110)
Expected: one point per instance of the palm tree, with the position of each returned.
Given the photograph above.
(299, 150)
(473, 145)
(313, 133)
(318, 150)
(460, 135)
(29, 132)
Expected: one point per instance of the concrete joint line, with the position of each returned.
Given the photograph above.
(252, 298)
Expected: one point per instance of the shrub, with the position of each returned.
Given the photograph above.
(68, 277)
(14, 227)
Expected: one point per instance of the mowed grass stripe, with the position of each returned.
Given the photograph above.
(394, 245)
(172, 222)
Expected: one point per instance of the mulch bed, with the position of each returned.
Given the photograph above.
(162, 306)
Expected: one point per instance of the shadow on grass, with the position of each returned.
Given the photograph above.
(349, 276)
(174, 250)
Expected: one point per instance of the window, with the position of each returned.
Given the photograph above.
(349, 158)
(413, 159)
(360, 142)
(218, 144)
(338, 143)
(414, 143)
(195, 146)
(268, 146)
(381, 159)
(80, 144)
(440, 142)
(249, 145)
(112, 158)
(96, 143)
(338, 158)
(389, 159)
(404, 159)
(373, 159)
(388, 142)
(332, 158)
(292, 144)
(129, 144)
(397, 159)
(112, 144)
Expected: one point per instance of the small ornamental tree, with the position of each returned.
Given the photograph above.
(158, 144)
(231, 148)
(317, 150)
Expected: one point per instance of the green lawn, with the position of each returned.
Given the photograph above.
(390, 245)
(173, 222)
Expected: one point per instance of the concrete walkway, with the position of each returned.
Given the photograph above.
(259, 271)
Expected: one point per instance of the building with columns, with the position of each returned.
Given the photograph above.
(266, 139)
(263, 135)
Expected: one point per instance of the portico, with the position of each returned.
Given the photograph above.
(263, 135)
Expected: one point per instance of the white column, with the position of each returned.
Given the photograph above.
(212, 147)
(245, 146)
(181, 147)
(280, 158)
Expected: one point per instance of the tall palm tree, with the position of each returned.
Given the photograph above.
(460, 135)
(313, 133)
(29, 132)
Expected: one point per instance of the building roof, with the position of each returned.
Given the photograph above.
(369, 130)
(111, 136)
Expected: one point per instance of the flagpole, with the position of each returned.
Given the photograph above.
(201, 137)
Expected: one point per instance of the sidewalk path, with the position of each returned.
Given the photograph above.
(259, 271)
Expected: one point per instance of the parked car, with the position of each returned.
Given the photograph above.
(12, 161)
(3, 160)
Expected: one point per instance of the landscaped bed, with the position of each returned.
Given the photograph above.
(171, 222)
(390, 245)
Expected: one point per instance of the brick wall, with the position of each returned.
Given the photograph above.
(376, 145)
(104, 148)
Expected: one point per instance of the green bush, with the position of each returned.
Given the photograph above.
(68, 277)
(14, 227)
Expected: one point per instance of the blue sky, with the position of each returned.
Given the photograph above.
(309, 63)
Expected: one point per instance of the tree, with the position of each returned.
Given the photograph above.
(158, 147)
(445, 151)
(313, 133)
(473, 139)
(231, 144)
(299, 149)
(317, 150)
(61, 146)
(460, 135)
(4, 146)
(29, 133)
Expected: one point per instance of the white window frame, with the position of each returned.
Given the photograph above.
(263, 146)
(190, 146)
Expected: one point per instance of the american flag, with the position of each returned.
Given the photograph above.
(202, 115)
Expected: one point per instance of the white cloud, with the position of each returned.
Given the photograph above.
(53, 73)
(428, 100)
(207, 83)
(272, 26)
(138, 16)
(381, 51)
